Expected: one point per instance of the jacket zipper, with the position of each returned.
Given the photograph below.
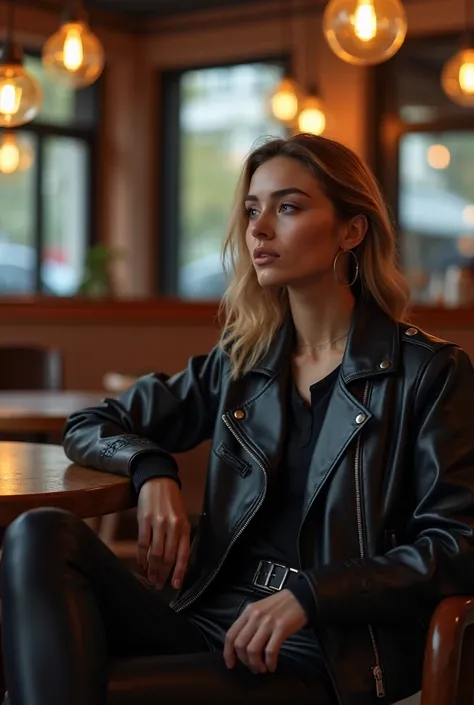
(377, 668)
(193, 598)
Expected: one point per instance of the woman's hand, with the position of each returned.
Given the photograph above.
(163, 532)
(261, 629)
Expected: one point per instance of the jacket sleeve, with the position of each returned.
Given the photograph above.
(439, 562)
(157, 416)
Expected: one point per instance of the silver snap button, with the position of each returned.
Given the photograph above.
(385, 364)
(360, 418)
(411, 331)
(239, 414)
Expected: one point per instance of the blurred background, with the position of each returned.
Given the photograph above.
(123, 128)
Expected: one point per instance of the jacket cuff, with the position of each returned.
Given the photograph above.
(302, 586)
(148, 464)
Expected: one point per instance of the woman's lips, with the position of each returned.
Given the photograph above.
(265, 259)
(262, 256)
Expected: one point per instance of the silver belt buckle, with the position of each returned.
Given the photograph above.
(265, 585)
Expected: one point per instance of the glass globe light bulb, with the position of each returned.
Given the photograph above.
(20, 95)
(312, 118)
(457, 78)
(365, 32)
(74, 56)
(285, 101)
(16, 154)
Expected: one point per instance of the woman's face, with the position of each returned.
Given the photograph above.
(293, 234)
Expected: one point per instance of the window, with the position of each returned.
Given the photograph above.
(213, 117)
(46, 211)
(425, 157)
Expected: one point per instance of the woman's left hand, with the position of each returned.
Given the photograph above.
(257, 635)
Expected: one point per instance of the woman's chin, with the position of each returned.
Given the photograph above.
(268, 278)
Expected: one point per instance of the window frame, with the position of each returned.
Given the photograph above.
(89, 136)
(391, 128)
(169, 166)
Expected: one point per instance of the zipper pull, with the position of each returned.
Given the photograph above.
(379, 686)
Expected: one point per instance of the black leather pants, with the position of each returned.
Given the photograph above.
(80, 629)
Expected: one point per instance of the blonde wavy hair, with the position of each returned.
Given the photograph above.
(251, 315)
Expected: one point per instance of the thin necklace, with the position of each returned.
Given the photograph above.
(326, 344)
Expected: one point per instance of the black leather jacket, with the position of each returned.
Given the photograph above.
(388, 521)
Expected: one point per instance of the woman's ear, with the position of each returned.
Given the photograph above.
(354, 232)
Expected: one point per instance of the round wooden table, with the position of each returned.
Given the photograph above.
(41, 412)
(37, 475)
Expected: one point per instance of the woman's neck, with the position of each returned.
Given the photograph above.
(321, 316)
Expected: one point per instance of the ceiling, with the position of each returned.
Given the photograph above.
(157, 8)
(132, 15)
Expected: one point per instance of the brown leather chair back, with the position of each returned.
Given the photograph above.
(30, 368)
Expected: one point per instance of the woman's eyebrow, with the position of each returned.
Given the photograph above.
(281, 192)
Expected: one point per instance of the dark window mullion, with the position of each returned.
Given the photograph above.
(170, 215)
(39, 213)
(91, 192)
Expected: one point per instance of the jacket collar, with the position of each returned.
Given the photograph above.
(373, 345)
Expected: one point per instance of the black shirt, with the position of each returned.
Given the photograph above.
(273, 533)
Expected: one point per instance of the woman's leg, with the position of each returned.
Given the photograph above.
(73, 614)
(203, 679)
(68, 604)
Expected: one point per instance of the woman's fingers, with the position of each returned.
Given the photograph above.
(156, 549)
(182, 558)
(144, 538)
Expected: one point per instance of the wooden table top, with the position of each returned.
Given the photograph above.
(39, 475)
(42, 412)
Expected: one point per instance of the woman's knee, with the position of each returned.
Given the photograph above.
(39, 531)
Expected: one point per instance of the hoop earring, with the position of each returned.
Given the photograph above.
(356, 272)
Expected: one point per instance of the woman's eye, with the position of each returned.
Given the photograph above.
(287, 208)
(250, 212)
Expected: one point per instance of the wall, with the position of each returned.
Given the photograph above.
(129, 189)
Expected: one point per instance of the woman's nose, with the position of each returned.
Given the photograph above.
(262, 229)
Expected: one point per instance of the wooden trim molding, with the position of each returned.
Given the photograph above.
(77, 311)
(431, 318)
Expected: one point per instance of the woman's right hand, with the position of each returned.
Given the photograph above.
(163, 532)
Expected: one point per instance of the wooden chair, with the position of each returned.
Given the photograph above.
(448, 673)
(30, 368)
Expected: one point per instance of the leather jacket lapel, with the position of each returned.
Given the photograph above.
(346, 416)
(372, 349)
(260, 423)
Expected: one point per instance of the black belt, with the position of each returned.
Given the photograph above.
(271, 576)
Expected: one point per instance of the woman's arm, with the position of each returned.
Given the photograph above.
(157, 416)
(440, 561)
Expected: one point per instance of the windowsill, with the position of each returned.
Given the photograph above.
(53, 311)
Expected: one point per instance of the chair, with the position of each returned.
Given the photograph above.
(448, 677)
(447, 672)
(30, 368)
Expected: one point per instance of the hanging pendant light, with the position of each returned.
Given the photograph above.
(364, 32)
(312, 115)
(312, 118)
(74, 56)
(285, 101)
(16, 153)
(457, 75)
(20, 92)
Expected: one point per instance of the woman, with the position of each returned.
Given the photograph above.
(339, 502)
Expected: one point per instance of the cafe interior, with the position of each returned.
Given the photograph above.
(123, 127)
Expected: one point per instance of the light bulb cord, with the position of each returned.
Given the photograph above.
(10, 20)
(287, 19)
(468, 24)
